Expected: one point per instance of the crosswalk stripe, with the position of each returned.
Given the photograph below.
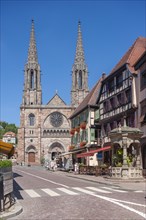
(72, 191)
(98, 190)
(32, 193)
(83, 190)
(115, 190)
(67, 191)
(50, 192)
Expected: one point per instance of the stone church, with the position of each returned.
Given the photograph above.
(44, 130)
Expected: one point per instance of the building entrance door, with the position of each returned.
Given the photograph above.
(31, 157)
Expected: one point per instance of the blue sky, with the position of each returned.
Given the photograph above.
(109, 28)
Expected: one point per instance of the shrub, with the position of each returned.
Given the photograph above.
(5, 163)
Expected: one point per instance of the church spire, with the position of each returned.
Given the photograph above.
(32, 52)
(79, 73)
(79, 57)
(32, 93)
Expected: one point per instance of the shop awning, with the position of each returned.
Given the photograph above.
(6, 148)
(70, 152)
(92, 152)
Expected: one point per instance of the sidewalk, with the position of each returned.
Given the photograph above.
(131, 185)
(15, 210)
(134, 184)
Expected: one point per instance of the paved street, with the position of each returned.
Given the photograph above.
(55, 195)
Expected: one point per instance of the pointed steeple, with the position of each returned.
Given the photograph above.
(79, 57)
(79, 73)
(32, 52)
(32, 93)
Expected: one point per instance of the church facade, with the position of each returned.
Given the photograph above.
(44, 130)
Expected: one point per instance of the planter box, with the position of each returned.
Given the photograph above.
(5, 169)
(7, 178)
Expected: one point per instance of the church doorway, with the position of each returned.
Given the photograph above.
(55, 149)
(31, 157)
(55, 155)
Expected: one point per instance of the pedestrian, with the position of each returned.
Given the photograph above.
(76, 168)
(52, 165)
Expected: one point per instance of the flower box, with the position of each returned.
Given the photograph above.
(82, 144)
(71, 147)
(83, 125)
(77, 129)
(72, 131)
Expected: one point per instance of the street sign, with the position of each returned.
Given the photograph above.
(99, 156)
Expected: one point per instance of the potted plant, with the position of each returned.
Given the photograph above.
(72, 131)
(71, 147)
(83, 143)
(5, 166)
(83, 125)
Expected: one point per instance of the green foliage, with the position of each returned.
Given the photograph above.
(42, 160)
(5, 127)
(5, 163)
(81, 164)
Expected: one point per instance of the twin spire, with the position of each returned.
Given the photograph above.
(32, 52)
(79, 57)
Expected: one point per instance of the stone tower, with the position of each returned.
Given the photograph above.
(79, 73)
(32, 93)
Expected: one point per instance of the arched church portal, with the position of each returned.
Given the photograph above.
(31, 151)
(55, 149)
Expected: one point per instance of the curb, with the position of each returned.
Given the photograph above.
(91, 180)
(16, 210)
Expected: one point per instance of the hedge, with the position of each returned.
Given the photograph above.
(5, 163)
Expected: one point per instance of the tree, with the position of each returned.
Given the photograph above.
(5, 127)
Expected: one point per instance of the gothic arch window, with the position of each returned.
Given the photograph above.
(31, 119)
(80, 79)
(32, 79)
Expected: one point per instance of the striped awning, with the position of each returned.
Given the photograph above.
(92, 152)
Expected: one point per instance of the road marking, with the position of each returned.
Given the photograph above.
(32, 193)
(98, 190)
(115, 190)
(112, 201)
(50, 192)
(131, 203)
(139, 191)
(68, 191)
(119, 204)
(42, 178)
(83, 190)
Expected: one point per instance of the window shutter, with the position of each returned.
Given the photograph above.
(92, 134)
(97, 114)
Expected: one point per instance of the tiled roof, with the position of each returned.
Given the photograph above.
(90, 99)
(9, 133)
(132, 55)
